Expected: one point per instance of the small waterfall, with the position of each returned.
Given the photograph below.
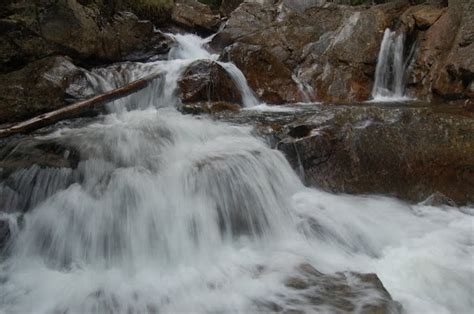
(391, 68)
(169, 213)
(248, 97)
(188, 48)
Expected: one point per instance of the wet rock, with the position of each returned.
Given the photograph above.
(206, 107)
(32, 169)
(409, 153)
(195, 15)
(4, 233)
(438, 199)
(267, 76)
(336, 293)
(206, 80)
(330, 50)
(37, 88)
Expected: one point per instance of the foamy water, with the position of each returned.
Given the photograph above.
(173, 214)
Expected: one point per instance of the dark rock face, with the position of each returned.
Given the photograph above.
(37, 88)
(34, 30)
(227, 6)
(207, 81)
(4, 233)
(195, 15)
(409, 153)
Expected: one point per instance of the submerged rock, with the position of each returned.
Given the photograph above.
(438, 199)
(347, 292)
(208, 107)
(4, 233)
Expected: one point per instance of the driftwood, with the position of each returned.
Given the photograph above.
(77, 109)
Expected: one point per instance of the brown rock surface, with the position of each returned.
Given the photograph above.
(206, 80)
(409, 153)
(267, 76)
(195, 15)
(330, 49)
(37, 88)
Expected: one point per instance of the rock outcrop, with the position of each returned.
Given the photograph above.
(195, 15)
(37, 88)
(206, 81)
(329, 48)
(34, 30)
(409, 152)
(444, 65)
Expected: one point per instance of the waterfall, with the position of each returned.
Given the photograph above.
(391, 68)
(169, 213)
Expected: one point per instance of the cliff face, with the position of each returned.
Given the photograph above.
(332, 49)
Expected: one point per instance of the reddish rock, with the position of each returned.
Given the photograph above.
(267, 76)
(206, 80)
(195, 15)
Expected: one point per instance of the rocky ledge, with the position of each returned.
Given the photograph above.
(410, 151)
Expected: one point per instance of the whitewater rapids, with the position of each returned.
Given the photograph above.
(168, 213)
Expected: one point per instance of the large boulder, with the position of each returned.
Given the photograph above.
(206, 80)
(409, 153)
(37, 88)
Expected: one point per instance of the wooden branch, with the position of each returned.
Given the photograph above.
(78, 108)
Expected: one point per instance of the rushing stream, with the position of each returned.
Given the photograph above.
(168, 213)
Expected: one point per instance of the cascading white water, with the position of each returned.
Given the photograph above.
(172, 214)
(391, 68)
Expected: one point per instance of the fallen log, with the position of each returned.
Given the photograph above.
(77, 109)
